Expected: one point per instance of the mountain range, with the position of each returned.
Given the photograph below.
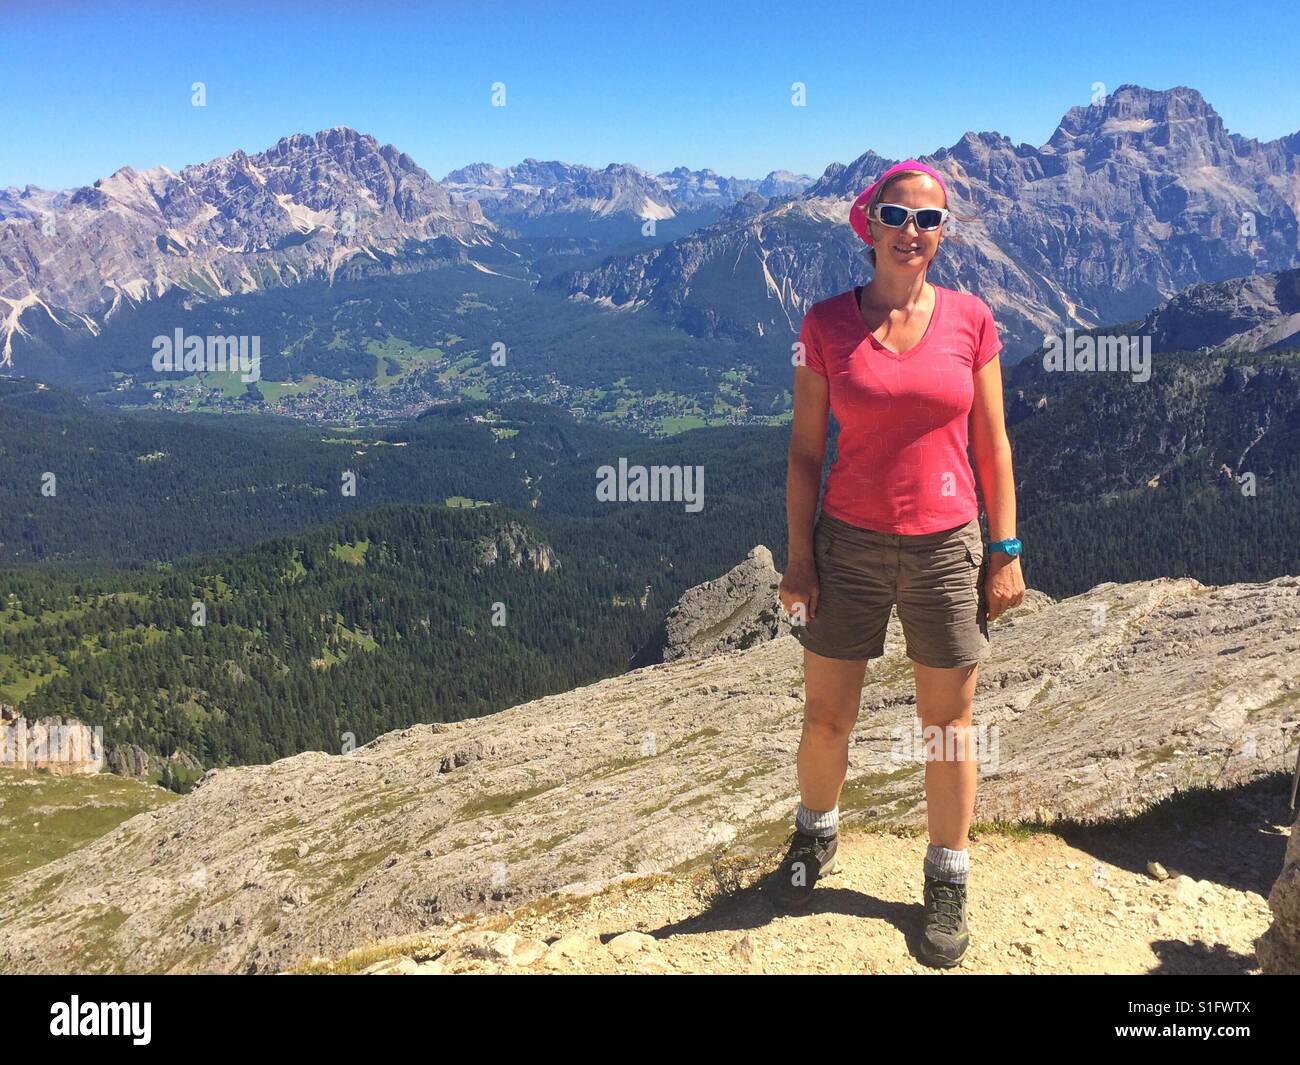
(307, 207)
(336, 203)
(545, 198)
(1133, 198)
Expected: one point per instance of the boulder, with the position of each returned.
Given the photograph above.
(1278, 949)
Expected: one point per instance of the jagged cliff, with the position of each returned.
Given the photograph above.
(1103, 704)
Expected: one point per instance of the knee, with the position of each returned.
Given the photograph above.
(959, 720)
(828, 723)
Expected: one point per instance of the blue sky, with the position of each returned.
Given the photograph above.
(92, 87)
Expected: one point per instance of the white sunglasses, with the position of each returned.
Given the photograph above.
(896, 216)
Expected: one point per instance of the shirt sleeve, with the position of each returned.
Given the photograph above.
(811, 345)
(988, 343)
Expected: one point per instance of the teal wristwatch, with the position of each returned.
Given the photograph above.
(1008, 547)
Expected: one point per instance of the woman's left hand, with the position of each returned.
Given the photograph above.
(1004, 587)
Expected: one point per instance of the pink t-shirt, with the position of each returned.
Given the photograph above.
(902, 465)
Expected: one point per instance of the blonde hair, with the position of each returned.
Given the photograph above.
(879, 195)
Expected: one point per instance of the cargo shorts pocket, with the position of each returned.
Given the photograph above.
(823, 539)
(978, 560)
(973, 539)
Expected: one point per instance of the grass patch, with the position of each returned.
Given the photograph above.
(355, 553)
(499, 804)
(699, 734)
(44, 817)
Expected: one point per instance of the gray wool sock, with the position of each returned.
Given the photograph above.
(944, 864)
(817, 822)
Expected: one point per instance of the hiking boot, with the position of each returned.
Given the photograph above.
(945, 938)
(808, 858)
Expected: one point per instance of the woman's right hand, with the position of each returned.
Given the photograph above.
(799, 591)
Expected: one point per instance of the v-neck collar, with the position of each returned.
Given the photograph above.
(877, 345)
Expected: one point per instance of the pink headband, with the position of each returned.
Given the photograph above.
(858, 212)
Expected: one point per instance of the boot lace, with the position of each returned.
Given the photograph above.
(943, 906)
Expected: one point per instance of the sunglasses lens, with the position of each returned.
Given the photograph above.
(928, 219)
(891, 215)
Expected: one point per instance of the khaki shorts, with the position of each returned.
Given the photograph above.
(936, 580)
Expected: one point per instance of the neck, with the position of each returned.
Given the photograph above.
(890, 289)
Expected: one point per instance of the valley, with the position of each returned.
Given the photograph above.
(380, 602)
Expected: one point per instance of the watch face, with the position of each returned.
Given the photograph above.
(1013, 550)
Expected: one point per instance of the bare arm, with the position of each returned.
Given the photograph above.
(807, 452)
(991, 456)
(799, 583)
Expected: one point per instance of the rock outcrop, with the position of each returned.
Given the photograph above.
(730, 613)
(1279, 947)
(132, 760)
(1091, 708)
(1252, 313)
(733, 612)
(517, 546)
(60, 745)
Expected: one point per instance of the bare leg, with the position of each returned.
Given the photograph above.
(832, 696)
(943, 699)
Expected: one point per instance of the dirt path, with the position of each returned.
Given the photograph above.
(1081, 901)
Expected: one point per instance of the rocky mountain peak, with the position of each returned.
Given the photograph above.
(840, 181)
(479, 174)
(1141, 116)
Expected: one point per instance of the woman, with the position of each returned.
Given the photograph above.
(910, 371)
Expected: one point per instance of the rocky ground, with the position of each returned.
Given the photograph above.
(1090, 710)
(1077, 901)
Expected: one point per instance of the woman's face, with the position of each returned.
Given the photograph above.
(908, 248)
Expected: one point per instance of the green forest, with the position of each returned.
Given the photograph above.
(388, 618)
(329, 618)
